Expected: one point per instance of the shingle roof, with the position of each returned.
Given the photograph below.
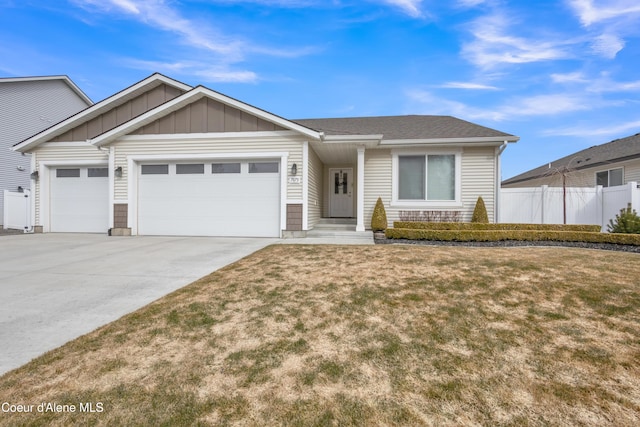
(403, 127)
(615, 151)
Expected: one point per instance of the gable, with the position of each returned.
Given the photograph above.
(207, 115)
(121, 113)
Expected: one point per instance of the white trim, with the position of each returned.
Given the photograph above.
(112, 183)
(133, 162)
(294, 201)
(66, 144)
(337, 139)
(421, 204)
(45, 184)
(305, 185)
(446, 141)
(34, 184)
(94, 111)
(360, 191)
(276, 135)
(188, 98)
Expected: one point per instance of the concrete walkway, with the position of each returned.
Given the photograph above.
(56, 287)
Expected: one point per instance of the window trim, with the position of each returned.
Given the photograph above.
(608, 171)
(395, 170)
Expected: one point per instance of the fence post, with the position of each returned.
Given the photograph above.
(543, 195)
(600, 206)
(634, 195)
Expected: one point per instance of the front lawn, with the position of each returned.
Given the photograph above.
(361, 335)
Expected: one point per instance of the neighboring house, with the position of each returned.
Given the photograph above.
(29, 105)
(614, 163)
(165, 158)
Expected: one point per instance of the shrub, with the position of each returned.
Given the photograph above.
(379, 217)
(480, 212)
(627, 221)
(499, 226)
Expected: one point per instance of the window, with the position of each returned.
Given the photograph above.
(427, 177)
(68, 173)
(610, 178)
(225, 168)
(264, 167)
(154, 169)
(98, 172)
(190, 169)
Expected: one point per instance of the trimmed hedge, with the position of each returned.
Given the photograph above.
(520, 235)
(461, 226)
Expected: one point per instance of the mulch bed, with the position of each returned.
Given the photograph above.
(512, 243)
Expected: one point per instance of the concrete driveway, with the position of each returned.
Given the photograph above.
(56, 287)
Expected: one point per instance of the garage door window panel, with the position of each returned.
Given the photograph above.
(222, 168)
(68, 173)
(98, 172)
(264, 167)
(154, 170)
(189, 169)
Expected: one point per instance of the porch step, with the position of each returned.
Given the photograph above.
(335, 224)
(339, 228)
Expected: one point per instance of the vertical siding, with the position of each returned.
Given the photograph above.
(124, 149)
(27, 108)
(316, 179)
(478, 179)
(67, 154)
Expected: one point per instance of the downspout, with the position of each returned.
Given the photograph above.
(500, 150)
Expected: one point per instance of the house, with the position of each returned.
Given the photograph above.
(611, 164)
(164, 158)
(29, 105)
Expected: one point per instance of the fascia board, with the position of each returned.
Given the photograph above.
(350, 139)
(445, 141)
(190, 97)
(93, 111)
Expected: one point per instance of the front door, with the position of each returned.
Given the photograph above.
(341, 193)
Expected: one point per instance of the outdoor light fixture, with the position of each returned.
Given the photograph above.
(294, 169)
(35, 175)
(118, 172)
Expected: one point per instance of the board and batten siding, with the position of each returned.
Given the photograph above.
(316, 178)
(63, 154)
(132, 147)
(478, 176)
(29, 107)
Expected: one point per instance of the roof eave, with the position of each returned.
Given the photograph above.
(485, 140)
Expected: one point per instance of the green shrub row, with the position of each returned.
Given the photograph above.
(494, 227)
(521, 235)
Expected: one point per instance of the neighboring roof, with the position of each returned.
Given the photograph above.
(99, 108)
(412, 127)
(65, 79)
(618, 150)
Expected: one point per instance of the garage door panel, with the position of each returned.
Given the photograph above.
(233, 204)
(79, 204)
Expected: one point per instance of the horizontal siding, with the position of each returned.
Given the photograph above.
(51, 153)
(315, 188)
(478, 179)
(377, 183)
(29, 107)
(632, 172)
(123, 149)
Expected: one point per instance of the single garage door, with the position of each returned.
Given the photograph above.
(231, 198)
(79, 200)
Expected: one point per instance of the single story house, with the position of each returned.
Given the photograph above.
(611, 164)
(164, 158)
(29, 105)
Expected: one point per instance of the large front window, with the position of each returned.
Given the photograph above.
(428, 177)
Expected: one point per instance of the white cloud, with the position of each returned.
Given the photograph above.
(592, 11)
(206, 72)
(468, 85)
(410, 7)
(607, 45)
(585, 131)
(576, 77)
(495, 43)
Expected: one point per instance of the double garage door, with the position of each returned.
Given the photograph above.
(230, 198)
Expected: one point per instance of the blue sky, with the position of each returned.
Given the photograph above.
(563, 75)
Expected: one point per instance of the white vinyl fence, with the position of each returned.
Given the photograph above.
(584, 205)
(17, 210)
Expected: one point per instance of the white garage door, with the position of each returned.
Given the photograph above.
(79, 200)
(231, 198)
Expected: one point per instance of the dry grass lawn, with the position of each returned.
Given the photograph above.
(370, 335)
